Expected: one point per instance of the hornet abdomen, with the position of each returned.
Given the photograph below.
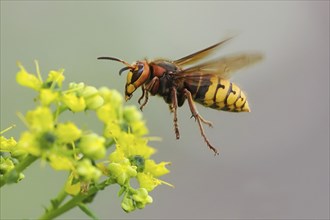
(219, 94)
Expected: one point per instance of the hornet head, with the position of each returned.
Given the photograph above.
(138, 74)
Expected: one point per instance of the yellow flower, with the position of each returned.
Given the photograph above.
(37, 143)
(40, 119)
(74, 103)
(132, 145)
(133, 118)
(156, 169)
(67, 132)
(147, 179)
(112, 130)
(60, 162)
(117, 156)
(28, 142)
(7, 145)
(27, 79)
(55, 77)
(134, 149)
(139, 128)
(47, 96)
(41, 135)
(65, 147)
(10, 145)
(111, 96)
(107, 113)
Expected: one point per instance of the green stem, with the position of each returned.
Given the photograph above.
(7, 129)
(75, 201)
(58, 111)
(58, 200)
(38, 70)
(87, 211)
(18, 169)
(61, 196)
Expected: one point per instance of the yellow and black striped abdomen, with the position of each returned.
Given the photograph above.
(220, 94)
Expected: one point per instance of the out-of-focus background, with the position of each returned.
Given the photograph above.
(274, 161)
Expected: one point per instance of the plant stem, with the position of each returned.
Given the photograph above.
(18, 169)
(75, 201)
(87, 211)
(61, 196)
(7, 129)
(58, 200)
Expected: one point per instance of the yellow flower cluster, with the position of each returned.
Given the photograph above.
(10, 154)
(119, 154)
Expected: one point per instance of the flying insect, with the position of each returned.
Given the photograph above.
(206, 83)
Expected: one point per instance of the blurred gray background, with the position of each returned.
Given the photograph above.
(274, 161)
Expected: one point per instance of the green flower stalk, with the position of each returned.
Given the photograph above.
(93, 161)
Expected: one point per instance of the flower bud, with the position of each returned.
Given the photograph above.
(6, 164)
(94, 102)
(87, 171)
(141, 198)
(127, 204)
(111, 96)
(77, 86)
(131, 114)
(122, 172)
(89, 91)
(92, 146)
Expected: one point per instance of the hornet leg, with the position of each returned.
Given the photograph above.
(199, 120)
(145, 95)
(173, 108)
(146, 89)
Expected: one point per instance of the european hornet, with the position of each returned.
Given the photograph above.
(205, 83)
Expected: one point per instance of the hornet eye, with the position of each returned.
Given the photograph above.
(137, 72)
